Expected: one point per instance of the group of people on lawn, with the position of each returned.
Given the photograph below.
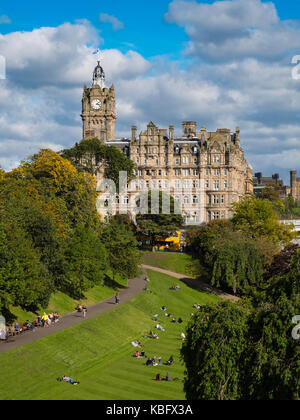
(154, 361)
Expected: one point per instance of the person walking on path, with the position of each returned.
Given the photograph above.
(117, 300)
(84, 311)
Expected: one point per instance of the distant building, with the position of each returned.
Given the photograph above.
(260, 182)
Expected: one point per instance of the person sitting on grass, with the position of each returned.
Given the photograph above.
(164, 308)
(154, 363)
(168, 377)
(170, 361)
(136, 354)
(149, 362)
(180, 321)
(158, 377)
(174, 320)
(159, 327)
(70, 380)
(182, 336)
(152, 335)
(155, 316)
(143, 353)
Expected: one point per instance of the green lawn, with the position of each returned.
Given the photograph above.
(62, 303)
(180, 263)
(98, 352)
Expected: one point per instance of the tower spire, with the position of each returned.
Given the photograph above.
(98, 74)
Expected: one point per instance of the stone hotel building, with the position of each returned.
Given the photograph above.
(204, 171)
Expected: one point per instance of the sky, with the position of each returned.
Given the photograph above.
(221, 63)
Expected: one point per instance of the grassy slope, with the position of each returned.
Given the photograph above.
(180, 263)
(98, 352)
(62, 303)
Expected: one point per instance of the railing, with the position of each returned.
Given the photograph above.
(295, 222)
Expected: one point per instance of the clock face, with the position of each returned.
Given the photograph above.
(96, 104)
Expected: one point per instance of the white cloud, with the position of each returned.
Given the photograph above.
(226, 30)
(40, 102)
(115, 22)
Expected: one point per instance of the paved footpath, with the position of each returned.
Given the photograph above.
(193, 282)
(134, 287)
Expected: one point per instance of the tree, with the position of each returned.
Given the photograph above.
(86, 260)
(121, 246)
(53, 208)
(258, 218)
(237, 265)
(23, 279)
(213, 351)
(230, 257)
(160, 224)
(292, 208)
(90, 156)
(245, 351)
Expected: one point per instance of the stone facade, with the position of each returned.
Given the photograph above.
(295, 186)
(204, 171)
(99, 108)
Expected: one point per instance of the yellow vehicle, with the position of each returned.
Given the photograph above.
(160, 244)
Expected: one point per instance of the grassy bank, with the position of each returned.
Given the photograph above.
(98, 352)
(180, 263)
(62, 303)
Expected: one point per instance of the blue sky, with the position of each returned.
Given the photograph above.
(221, 63)
(144, 24)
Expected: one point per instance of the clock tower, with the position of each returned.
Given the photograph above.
(99, 108)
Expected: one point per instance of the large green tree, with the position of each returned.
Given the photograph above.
(213, 351)
(121, 246)
(258, 218)
(86, 262)
(246, 351)
(230, 257)
(90, 156)
(23, 279)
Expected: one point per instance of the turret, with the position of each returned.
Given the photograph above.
(99, 76)
(133, 132)
(171, 132)
(189, 129)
